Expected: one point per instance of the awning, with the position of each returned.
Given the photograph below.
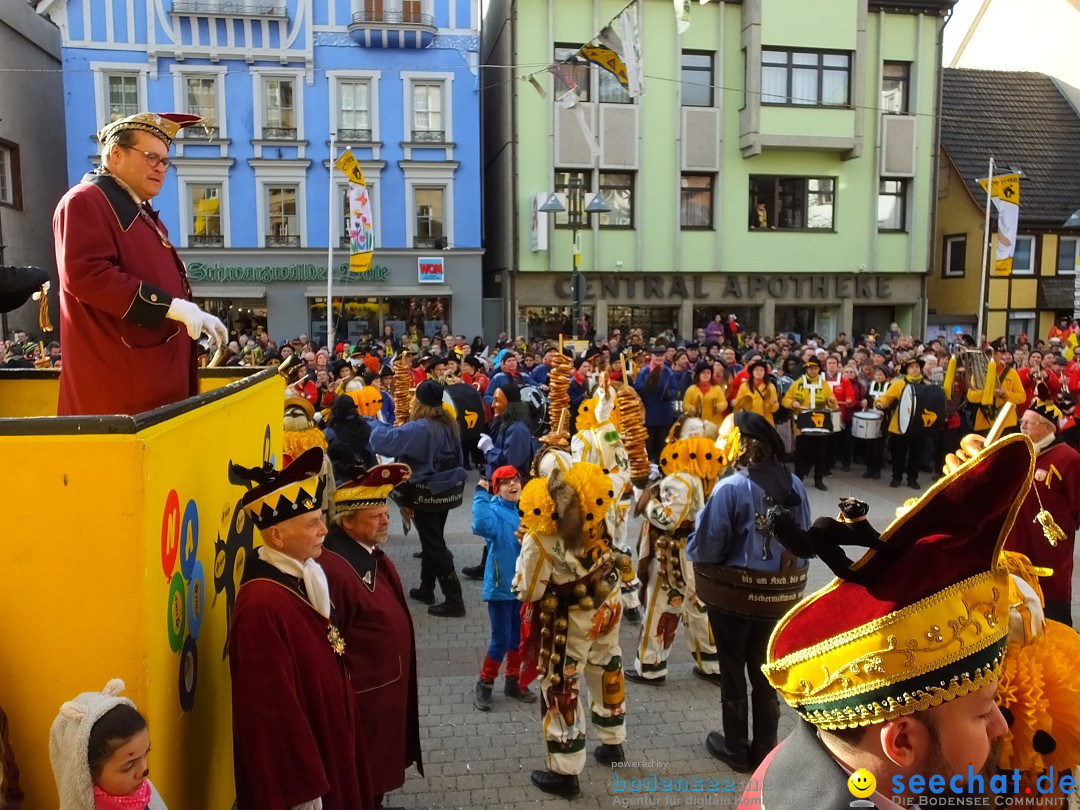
(365, 290)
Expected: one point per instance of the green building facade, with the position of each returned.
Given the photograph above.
(779, 165)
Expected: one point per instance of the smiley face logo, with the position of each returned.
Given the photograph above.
(861, 783)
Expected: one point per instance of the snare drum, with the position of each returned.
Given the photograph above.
(867, 424)
(815, 422)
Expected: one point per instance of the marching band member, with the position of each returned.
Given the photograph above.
(810, 392)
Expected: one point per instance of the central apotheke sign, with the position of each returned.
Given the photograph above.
(809, 286)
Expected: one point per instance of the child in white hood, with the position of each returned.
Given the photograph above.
(98, 746)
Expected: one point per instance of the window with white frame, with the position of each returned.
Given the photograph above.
(427, 112)
(201, 98)
(1024, 256)
(954, 263)
(430, 216)
(10, 193)
(279, 110)
(815, 78)
(354, 110)
(122, 95)
(283, 223)
(204, 214)
(1068, 254)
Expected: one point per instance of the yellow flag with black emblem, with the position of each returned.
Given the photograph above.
(1005, 194)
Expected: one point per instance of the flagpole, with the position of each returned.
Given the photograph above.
(330, 253)
(983, 269)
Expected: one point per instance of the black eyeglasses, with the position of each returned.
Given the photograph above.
(152, 159)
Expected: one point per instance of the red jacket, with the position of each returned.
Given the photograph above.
(117, 279)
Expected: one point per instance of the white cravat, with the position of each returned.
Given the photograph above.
(318, 592)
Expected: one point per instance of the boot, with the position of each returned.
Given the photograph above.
(557, 784)
(518, 692)
(483, 695)
(425, 594)
(453, 606)
(476, 571)
(607, 755)
(732, 747)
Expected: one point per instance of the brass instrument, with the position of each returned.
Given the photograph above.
(974, 363)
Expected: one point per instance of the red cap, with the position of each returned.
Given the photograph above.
(506, 472)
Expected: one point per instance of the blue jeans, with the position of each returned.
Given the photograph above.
(505, 628)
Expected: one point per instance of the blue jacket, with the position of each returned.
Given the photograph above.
(513, 445)
(501, 378)
(431, 449)
(387, 410)
(658, 409)
(496, 520)
(727, 530)
(540, 374)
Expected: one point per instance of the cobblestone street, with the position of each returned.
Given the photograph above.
(475, 759)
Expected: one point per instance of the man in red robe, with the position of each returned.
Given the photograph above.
(294, 724)
(380, 649)
(127, 324)
(1056, 489)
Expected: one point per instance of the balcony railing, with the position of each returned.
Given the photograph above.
(283, 241)
(429, 242)
(279, 133)
(225, 8)
(199, 133)
(206, 240)
(393, 17)
(354, 135)
(428, 136)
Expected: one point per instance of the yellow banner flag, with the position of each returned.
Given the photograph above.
(1005, 194)
(361, 234)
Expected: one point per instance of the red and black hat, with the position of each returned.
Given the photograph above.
(279, 495)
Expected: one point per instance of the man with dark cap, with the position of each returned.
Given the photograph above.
(658, 387)
(126, 313)
(380, 643)
(732, 551)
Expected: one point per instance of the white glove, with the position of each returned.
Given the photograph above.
(604, 406)
(314, 804)
(484, 443)
(198, 322)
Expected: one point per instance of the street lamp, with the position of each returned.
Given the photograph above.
(578, 212)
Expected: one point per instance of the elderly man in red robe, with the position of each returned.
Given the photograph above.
(294, 718)
(127, 324)
(1049, 517)
(380, 643)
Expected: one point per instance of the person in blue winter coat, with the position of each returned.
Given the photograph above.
(431, 445)
(508, 372)
(658, 387)
(495, 518)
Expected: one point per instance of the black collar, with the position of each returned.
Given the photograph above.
(822, 782)
(361, 560)
(123, 206)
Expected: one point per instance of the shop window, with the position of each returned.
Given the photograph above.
(892, 205)
(547, 323)
(1023, 263)
(205, 213)
(895, 79)
(1068, 254)
(696, 76)
(814, 78)
(358, 319)
(955, 256)
(650, 320)
(696, 201)
(791, 203)
(241, 316)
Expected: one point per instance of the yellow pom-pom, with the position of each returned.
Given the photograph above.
(537, 508)
(295, 442)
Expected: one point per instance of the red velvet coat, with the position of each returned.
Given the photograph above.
(380, 651)
(117, 279)
(1057, 482)
(294, 726)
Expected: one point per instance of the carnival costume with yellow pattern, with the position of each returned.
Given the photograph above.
(600, 442)
(568, 569)
(691, 465)
(925, 623)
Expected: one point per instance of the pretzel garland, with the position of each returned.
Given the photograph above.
(559, 400)
(402, 390)
(634, 433)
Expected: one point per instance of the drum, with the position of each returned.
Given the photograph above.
(537, 404)
(837, 420)
(922, 410)
(867, 424)
(815, 422)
